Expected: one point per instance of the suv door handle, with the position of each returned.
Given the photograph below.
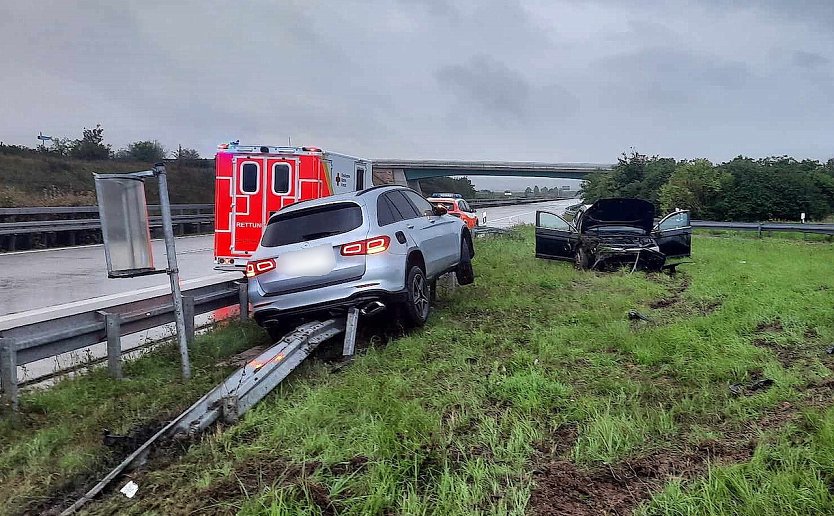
(410, 226)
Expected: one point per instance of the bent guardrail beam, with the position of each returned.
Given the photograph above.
(234, 396)
(32, 341)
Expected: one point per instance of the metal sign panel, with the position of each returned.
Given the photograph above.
(123, 211)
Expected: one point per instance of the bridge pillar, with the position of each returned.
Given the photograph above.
(391, 176)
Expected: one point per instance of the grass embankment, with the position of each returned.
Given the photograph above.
(53, 452)
(532, 391)
(40, 180)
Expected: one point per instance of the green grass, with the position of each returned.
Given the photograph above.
(57, 439)
(535, 363)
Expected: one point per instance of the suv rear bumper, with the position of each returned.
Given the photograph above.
(271, 312)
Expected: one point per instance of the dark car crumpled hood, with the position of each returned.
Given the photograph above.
(619, 212)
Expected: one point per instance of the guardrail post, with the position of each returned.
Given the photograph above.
(350, 331)
(243, 296)
(188, 313)
(8, 373)
(759, 230)
(113, 329)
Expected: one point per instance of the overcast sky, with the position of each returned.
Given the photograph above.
(544, 80)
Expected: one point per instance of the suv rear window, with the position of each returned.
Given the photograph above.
(312, 224)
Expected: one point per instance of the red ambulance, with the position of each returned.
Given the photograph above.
(253, 182)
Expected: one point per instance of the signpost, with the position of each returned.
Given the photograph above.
(43, 138)
(127, 240)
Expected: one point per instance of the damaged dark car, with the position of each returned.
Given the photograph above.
(615, 233)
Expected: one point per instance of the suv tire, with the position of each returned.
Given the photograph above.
(416, 308)
(464, 272)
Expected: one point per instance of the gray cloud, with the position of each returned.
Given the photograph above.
(810, 60)
(506, 79)
(489, 85)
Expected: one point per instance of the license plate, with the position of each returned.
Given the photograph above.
(317, 261)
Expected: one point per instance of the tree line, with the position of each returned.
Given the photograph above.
(91, 147)
(742, 189)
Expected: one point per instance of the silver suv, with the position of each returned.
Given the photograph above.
(374, 248)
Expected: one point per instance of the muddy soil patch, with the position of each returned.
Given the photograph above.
(774, 326)
(819, 394)
(562, 488)
(256, 474)
(707, 307)
(250, 477)
(786, 356)
(67, 492)
(674, 297)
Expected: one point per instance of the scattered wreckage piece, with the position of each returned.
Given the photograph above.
(232, 398)
(615, 233)
(634, 315)
(757, 384)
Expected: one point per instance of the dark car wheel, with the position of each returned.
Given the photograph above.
(464, 272)
(583, 259)
(416, 307)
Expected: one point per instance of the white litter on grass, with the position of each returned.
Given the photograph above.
(130, 489)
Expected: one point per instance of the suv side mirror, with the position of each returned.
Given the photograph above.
(439, 210)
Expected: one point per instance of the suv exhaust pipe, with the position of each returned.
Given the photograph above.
(372, 308)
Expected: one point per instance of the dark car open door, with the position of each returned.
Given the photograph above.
(555, 237)
(673, 235)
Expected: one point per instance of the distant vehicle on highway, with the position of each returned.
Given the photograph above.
(383, 246)
(456, 206)
(614, 233)
(573, 211)
(253, 182)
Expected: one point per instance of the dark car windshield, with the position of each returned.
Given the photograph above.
(312, 224)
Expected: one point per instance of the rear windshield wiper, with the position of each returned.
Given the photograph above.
(321, 234)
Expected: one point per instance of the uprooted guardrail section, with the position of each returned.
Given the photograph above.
(232, 398)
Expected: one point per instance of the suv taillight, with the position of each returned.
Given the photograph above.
(259, 267)
(369, 246)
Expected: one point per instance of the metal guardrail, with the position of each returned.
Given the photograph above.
(490, 203)
(56, 226)
(27, 343)
(18, 226)
(822, 229)
(60, 210)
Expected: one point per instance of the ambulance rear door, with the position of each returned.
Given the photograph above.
(249, 186)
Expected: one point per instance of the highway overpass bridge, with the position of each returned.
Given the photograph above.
(397, 170)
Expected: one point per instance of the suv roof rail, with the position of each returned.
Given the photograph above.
(377, 187)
